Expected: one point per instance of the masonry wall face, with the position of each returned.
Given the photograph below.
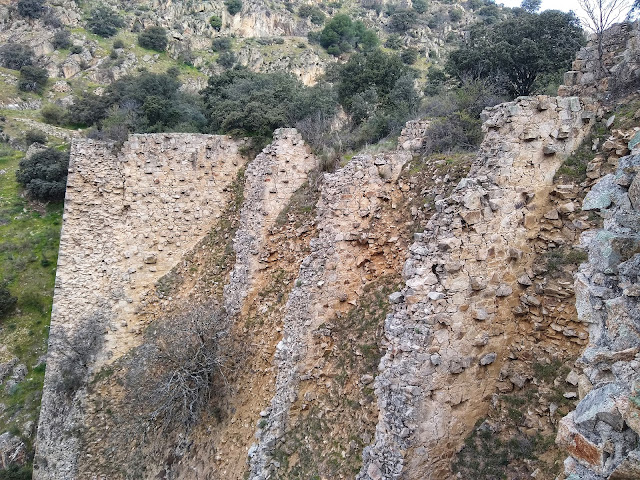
(129, 216)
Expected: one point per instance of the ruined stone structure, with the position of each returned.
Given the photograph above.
(601, 435)
(351, 249)
(471, 290)
(302, 263)
(610, 74)
(142, 208)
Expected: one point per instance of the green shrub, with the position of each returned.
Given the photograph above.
(221, 44)
(394, 41)
(32, 79)
(61, 39)
(76, 50)
(312, 12)
(148, 102)
(457, 126)
(233, 6)
(104, 21)
(402, 20)
(31, 8)
(15, 55)
(15, 472)
(44, 174)
(153, 38)
(87, 110)
(35, 136)
(53, 114)
(420, 6)
(341, 35)
(436, 79)
(409, 56)
(7, 302)
(215, 22)
(455, 15)
(118, 43)
(248, 103)
(363, 71)
(227, 59)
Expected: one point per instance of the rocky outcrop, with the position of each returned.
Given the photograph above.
(12, 451)
(470, 290)
(601, 434)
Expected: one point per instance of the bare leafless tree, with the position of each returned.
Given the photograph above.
(182, 360)
(599, 15)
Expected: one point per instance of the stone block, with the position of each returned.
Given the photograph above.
(579, 447)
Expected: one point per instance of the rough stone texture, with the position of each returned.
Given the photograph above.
(329, 278)
(617, 73)
(128, 219)
(601, 435)
(271, 180)
(474, 251)
(12, 451)
(412, 135)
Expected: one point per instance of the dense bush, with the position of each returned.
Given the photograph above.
(394, 42)
(15, 472)
(75, 50)
(455, 15)
(519, 49)
(402, 20)
(457, 125)
(215, 22)
(35, 136)
(420, 6)
(221, 44)
(363, 71)
(118, 43)
(44, 174)
(153, 38)
(53, 114)
(436, 79)
(341, 35)
(248, 103)
(31, 8)
(227, 59)
(312, 12)
(15, 56)
(378, 91)
(233, 6)
(32, 79)
(7, 302)
(104, 21)
(87, 110)
(409, 56)
(61, 39)
(148, 102)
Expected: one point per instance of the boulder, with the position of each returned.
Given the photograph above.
(12, 451)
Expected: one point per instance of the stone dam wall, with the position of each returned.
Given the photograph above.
(129, 216)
